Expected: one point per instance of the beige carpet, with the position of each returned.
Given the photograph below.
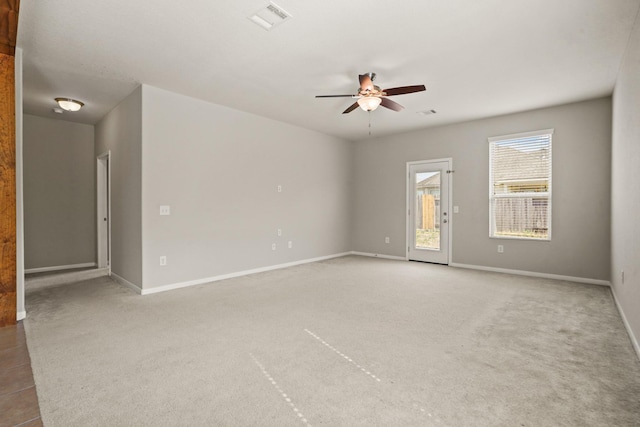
(348, 342)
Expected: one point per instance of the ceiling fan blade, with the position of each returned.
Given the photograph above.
(336, 96)
(392, 105)
(351, 108)
(404, 90)
(366, 83)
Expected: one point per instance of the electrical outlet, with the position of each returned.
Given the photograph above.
(386, 240)
(163, 260)
(500, 249)
(165, 210)
(279, 232)
(273, 246)
(290, 244)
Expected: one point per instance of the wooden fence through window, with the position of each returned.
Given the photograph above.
(428, 209)
(521, 215)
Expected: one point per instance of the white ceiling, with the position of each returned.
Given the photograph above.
(478, 58)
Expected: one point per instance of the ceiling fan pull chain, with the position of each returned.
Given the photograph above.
(369, 123)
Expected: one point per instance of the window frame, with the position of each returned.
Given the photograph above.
(494, 139)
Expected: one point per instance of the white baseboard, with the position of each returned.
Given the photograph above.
(154, 290)
(21, 315)
(60, 267)
(124, 282)
(627, 326)
(533, 274)
(397, 258)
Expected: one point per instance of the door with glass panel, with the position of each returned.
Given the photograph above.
(428, 211)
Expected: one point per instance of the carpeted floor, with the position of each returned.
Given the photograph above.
(352, 341)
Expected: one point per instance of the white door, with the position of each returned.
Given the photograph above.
(103, 199)
(429, 221)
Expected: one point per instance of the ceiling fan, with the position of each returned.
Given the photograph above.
(369, 96)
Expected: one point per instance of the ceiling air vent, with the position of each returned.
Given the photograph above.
(270, 16)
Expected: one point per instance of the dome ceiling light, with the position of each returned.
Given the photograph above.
(69, 104)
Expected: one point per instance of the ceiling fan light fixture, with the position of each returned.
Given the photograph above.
(369, 103)
(69, 104)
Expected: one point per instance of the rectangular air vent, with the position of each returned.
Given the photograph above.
(270, 16)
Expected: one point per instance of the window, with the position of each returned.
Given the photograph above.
(520, 185)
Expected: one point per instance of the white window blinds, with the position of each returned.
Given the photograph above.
(520, 185)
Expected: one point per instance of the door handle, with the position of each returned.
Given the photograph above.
(444, 221)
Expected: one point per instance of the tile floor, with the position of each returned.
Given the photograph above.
(18, 398)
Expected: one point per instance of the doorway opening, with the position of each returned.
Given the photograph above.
(428, 211)
(103, 196)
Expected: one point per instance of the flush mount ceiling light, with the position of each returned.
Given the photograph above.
(270, 16)
(369, 103)
(69, 104)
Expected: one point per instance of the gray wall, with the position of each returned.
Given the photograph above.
(625, 193)
(120, 131)
(59, 193)
(580, 245)
(219, 169)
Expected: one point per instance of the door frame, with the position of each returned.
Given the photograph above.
(103, 192)
(449, 177)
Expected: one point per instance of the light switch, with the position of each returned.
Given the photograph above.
(165, 210)
(456, 209)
